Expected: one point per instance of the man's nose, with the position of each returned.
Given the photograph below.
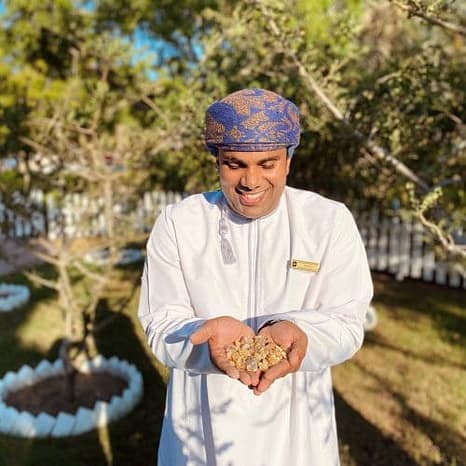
(250, 178)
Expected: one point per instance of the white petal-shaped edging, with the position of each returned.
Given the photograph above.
(8, 416)
(86, 420)
(13, 296)
(44, 369)
(26, 376)
(10, 382)
(43, 424)
(133, 372)
(23, 424)
(116, 408)
(114, 363)
(63, 425)
(57, 367)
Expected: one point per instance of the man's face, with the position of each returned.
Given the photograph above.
(253, 181)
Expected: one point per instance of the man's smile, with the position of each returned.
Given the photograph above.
(250, 199)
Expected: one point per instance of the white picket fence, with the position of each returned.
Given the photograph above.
(80, 216)
(393, 245)
(401, 247)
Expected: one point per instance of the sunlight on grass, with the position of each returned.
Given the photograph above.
(42, 327)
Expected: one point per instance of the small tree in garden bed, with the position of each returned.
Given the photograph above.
(92, 124)
(97, 157)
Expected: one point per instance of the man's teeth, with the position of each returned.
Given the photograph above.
(252, 196)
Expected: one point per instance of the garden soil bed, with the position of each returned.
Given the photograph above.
(48, 395)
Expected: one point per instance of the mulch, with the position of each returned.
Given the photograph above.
(49, 395)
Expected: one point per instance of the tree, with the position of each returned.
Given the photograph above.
(75, 99)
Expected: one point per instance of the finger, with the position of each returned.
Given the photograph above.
(232, 372)
(251, 379)
(246, 330)
(255, 378)
(279, 370)
(269, 376)
(245, 377)
(228, 368)
(202, 334)
(265, 332)
(263, 385)
(294, 358)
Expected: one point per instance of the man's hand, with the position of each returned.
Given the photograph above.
(219, 333)
(289, 336)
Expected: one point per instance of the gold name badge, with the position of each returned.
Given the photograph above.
(304, 265)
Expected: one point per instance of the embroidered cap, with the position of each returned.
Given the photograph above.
(252, 120)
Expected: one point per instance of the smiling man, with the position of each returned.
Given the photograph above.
(253, 182)
(256, 257)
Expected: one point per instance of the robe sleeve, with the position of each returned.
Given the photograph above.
(335, 327)
(165, 311)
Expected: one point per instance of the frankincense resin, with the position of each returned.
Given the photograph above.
(255, 353)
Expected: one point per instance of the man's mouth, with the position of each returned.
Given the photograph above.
(251, 199)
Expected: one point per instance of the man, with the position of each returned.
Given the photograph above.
(255, 257)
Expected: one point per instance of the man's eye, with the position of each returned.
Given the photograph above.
(268, 166)
(233, 166)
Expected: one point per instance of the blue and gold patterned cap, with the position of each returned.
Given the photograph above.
(252, 120)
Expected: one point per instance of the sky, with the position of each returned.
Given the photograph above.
(146, 47)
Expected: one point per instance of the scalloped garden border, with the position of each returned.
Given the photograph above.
(24, 424)
(16, 296)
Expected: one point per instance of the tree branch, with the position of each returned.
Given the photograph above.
(153, 106)
(413, 11)
(446, 240)
(38, 280)
(87, 273)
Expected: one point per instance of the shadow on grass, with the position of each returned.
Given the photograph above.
(13, 353)
(450, 442)
(364, 442)
(445, 306)
(372, 340)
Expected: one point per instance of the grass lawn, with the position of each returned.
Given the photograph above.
(400, 401)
